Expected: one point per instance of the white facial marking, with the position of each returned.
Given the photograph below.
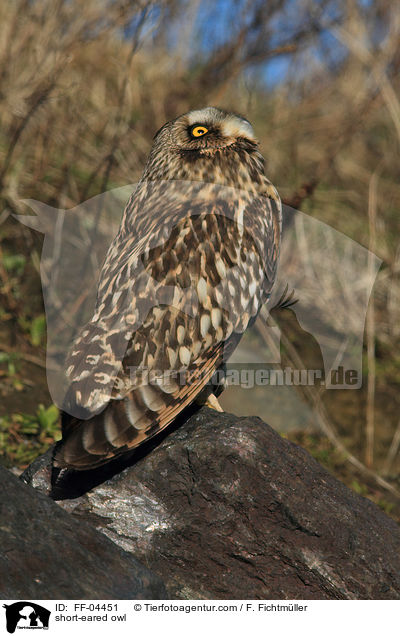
(235, 127)
(231, 125)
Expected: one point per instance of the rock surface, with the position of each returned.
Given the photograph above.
(225, 508)
(46, 554)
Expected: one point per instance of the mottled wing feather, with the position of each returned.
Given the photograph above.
(229, 261)
(112, 433)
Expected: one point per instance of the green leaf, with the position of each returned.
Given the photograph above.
(14, 262)
(48, 418)
(38, 328)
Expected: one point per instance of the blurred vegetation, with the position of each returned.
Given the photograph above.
(336, 463)
(23, 437)
(83, 88)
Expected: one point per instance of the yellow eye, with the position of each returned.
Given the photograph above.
(199, 131)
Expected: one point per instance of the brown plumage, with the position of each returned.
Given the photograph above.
(193, 261)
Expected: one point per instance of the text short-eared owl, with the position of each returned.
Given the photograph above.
(193, 261)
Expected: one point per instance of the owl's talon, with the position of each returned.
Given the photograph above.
(212, 403)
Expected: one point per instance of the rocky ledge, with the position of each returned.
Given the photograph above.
(223, 507)
(46, 554)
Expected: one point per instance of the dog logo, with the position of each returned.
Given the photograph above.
(26, 615)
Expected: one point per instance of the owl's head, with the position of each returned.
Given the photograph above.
(206, 130)
(207, 144)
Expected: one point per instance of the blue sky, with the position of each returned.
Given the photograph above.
(217, 21)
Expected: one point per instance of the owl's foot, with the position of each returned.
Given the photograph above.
(212, 403)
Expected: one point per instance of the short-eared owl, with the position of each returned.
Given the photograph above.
(193, 261)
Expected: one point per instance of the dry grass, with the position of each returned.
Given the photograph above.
(79, 104)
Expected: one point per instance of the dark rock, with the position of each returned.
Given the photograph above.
(226, 508)
(46, 554)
